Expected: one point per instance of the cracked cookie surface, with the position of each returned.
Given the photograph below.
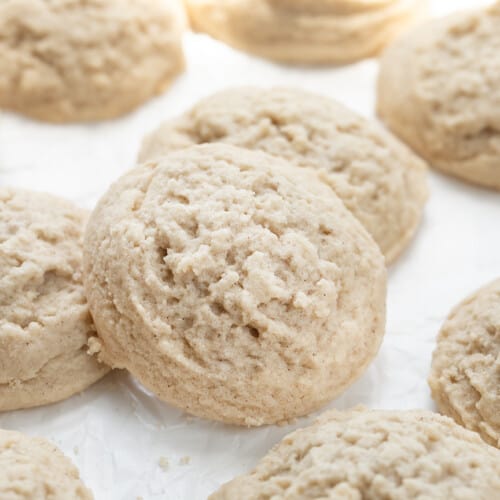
(231, 290)
(81, 60)
(373, 454)
(44, 317)
(465, 375)
(379, 180)
(446, 103)
(305, 31)
(35, 469)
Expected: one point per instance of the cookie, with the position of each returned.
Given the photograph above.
(69, 60)
(44, 317)
(229, 288)
(379, 180)
(438, 91)
(303, 31)
(34, 469)
(465, 374)
(374, 454)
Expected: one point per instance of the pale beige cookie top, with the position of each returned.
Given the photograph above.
(231, 290)
(79, 60)
(465, 375)
(44, 318)
(362, 454)
(34, 469)
(305, 31)
(379, 180)
(439, 90)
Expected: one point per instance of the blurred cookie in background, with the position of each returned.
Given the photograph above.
(439, 91)
(67, 60)
(305, 31)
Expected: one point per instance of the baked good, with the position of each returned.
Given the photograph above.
(373, 454)
(78, 60)
(439, 92)
(44, 318)
(34, 469)
(381, 182)
(305, 31)
(465, 374)
(231, 290)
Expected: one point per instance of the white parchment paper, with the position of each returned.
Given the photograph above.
(129, 445)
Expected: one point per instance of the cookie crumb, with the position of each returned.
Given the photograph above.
(287, 421)
(94, 346)
(76, 450)
(164, 463)
(185, 460)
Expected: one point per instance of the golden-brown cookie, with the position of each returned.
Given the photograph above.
(380, 181)
(374, 454)
(74, 60)
(439, 92)
(45, 321)
(465, 375)
(305, 31)
(34, 469)
(230, 289)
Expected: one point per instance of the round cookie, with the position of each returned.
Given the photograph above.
(34, 469)
(305, 31)
(465, 374)
(445, 103)
(231, 290)
(44, 318)
(373, 454)
(70, 60)
(379, 180)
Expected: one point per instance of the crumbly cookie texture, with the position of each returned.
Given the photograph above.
(229, 288)
(362, 454)
(34, 469)
(465, 374)
(446, 103)
(80, 60)
(44, 317)
(305, 32)
(381, 182)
